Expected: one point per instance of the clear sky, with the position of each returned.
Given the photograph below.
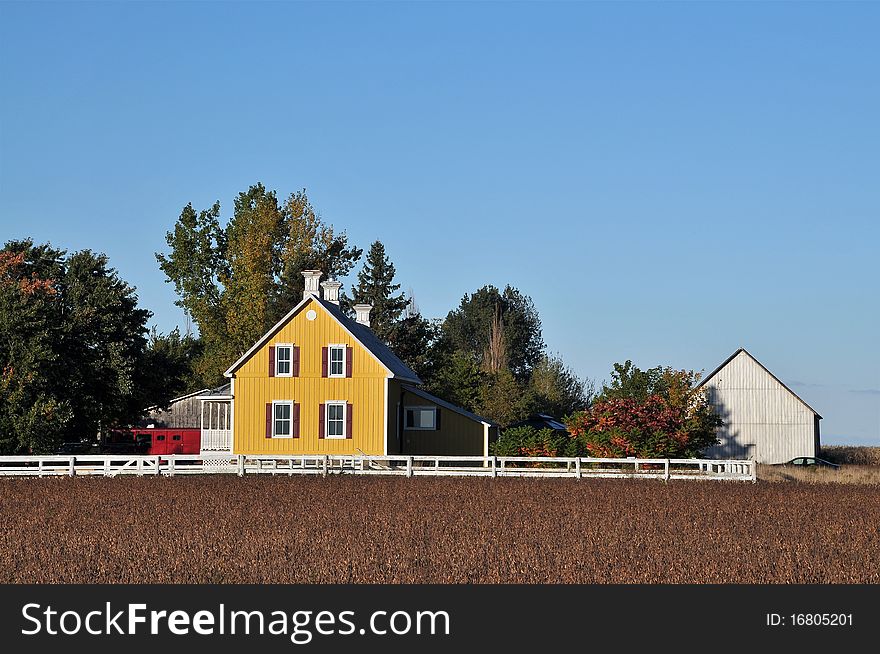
(668, 182)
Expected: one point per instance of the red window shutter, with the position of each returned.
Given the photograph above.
(437, 417)
(295, 417)
(322, 412)
(323, 362)
(268, 420)
(348, 413)
(348, 351)
(295, 364)
(271, 360)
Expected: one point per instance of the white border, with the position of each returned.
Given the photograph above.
(344, 348)
(290, 404)
(290, 368)
(327, 404)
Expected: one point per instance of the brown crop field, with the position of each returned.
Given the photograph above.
(441, 530)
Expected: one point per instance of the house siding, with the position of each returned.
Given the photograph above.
(458, 435)
(364, 390)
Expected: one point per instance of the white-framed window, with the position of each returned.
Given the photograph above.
(336, 361)
(335, 417)
(282, 419)
(420, 417)
(283, 360)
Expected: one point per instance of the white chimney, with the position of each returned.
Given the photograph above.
(331, 290)
(312, 277)
(362, 313)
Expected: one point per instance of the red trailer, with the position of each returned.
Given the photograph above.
(168, 441)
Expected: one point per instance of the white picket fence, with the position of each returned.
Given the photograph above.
(408, 466)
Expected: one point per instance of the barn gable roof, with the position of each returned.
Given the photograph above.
(360, 333)
(763, 367)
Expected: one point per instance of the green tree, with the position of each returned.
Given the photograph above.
(375, 286)
(489, 323)
(237, 280)
(166, 371)
(658, 412)
(413, 340)
(556, 390)
(72, 346)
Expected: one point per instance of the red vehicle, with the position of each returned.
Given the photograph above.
(167, 441)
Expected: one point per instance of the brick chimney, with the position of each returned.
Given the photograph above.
(362, 313)
(331, 290)
(312, 277)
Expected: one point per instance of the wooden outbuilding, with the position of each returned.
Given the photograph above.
(764, 419)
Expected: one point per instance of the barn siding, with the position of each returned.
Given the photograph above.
(365, 390)
(762, 419)
(185, 413)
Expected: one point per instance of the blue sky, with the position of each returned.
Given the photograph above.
(668, 182)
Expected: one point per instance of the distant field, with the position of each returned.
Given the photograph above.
(854, 455)
(445, 530)
(859, 465)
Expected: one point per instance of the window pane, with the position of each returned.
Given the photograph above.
(410, 418)
(335, 419)
(282, 356)
(282, 411)
(337, 356)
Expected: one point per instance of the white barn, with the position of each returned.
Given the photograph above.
(763, 418)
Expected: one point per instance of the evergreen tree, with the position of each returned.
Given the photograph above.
(376, 287)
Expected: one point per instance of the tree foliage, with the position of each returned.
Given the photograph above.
(653, 413)
(490, 322)
(237, 280)
(375, 286)
(72, 347)
(528, 441)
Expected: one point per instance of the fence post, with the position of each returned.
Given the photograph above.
(241, 465)
(158, 464)
(494, 466)
(409, 466)
(40, 467)
(577, 467)
(106, 467)
(666, 470)
(171, 466)
(73, 466)
(324, 466)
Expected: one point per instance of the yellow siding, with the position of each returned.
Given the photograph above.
(458, 435)
(365, 390)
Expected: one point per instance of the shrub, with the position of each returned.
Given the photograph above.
(528, 441)
(656, 427)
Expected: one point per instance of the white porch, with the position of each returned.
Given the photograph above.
(216, 425)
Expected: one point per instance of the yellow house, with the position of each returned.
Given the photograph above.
(320, 382)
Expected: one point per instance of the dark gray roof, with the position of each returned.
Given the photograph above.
(446, 405)
(372, 342)
(542, 420)
(226, 389)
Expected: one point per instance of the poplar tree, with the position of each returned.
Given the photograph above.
(238, 280)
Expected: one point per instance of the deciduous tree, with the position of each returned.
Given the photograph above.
(237, 280)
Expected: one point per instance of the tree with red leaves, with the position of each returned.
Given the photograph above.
(656, 413)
